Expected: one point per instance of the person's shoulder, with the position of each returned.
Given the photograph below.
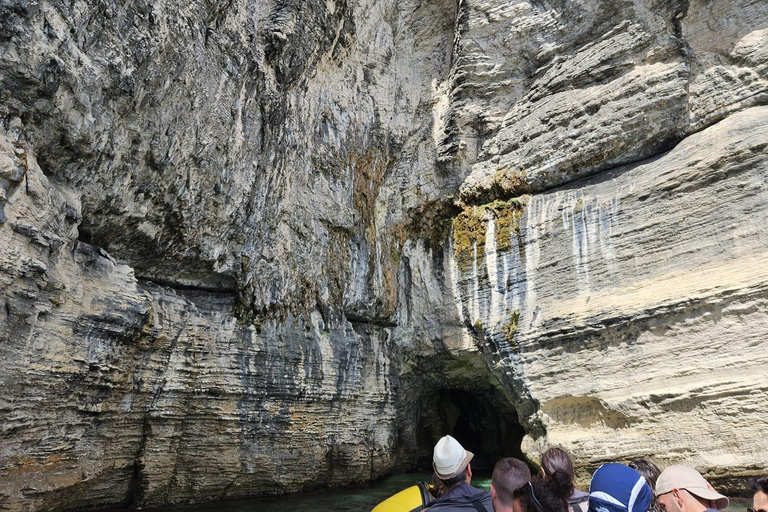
(477, 490)
(579, 505)
(477, 494)
(485, 499)
(578, 496)
(463, 496)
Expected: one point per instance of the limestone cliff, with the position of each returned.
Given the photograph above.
(257, 247)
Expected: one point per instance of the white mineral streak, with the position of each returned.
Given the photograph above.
(491, 266)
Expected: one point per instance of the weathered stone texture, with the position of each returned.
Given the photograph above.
(124, 390)
(612, 281)
(727, 41)
(255, 247)
(244, 154)
(597, 84)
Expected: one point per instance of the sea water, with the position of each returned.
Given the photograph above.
(353, 499)
(357, 499)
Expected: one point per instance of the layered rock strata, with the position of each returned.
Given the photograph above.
(642, 261)
(258, 247)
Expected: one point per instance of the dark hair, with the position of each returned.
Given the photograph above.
(509, 475)
(452, 482)
(648, 469)
(556, 458)
(650, 472)
(759, 483)
(438, 488)
(549, 495)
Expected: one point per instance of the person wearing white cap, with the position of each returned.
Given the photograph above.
(683, 489)
(451, 464)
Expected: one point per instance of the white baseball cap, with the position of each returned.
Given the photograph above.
(450, 458)
(684, 477)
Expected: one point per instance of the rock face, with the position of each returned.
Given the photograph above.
(630, 305)
(257, 247)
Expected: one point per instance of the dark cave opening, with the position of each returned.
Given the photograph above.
(483, 421)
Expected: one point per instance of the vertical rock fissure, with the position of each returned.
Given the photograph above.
(137, 487)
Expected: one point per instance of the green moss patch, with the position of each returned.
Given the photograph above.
(469, 228)
(510, 328)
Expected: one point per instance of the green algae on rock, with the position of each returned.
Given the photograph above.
(469, 228)
(510, 328)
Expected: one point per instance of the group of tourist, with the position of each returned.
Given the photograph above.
(637, 487)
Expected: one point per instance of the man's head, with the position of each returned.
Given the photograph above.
(759, 485)
(451, 462)
(508, 475)
(683, 489)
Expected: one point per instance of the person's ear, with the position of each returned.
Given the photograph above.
(543, 473)
(677, 495)
(469, 470)
(493, 492)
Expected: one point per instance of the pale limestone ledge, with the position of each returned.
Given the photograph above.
(642, 299)
(569, 92)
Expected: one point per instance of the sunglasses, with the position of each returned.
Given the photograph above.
(756, 510)
(541, 507)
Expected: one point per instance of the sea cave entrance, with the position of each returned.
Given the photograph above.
(482, 420)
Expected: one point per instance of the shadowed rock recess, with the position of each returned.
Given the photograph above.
(255, 247)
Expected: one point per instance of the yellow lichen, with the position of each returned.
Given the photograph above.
(511, 181)
(507, 216)
(510, 328)
(468, 233)
(469, 228)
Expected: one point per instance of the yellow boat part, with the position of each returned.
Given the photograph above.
(412, 499)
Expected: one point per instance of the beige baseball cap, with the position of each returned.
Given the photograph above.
(450, 458)
(684, 477)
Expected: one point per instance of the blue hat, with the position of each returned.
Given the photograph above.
(618, 488)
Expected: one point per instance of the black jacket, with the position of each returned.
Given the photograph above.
(462, 498)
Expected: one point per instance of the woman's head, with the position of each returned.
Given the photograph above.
(759, 485)
(540, 495)
(651, 473)
(556, 458)
(646, 468)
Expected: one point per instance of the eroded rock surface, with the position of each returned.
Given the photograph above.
(599, 293)
(256, 247)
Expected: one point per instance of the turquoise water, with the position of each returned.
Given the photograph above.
(357, 499)
(739, 505)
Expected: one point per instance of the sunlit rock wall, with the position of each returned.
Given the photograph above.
(633, 304)
(610, 255)
(242, 242)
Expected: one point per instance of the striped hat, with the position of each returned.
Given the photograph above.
(450, 458)
(618, 488)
